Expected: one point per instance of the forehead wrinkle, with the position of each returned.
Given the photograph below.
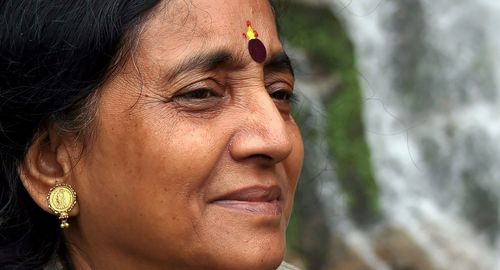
(204, 61)
(177, 42)
(174, 11)
(173, 19)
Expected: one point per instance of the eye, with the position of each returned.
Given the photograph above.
(284, 95)
(197, 94)
(203, 96)
(200, 91)
(284, 99)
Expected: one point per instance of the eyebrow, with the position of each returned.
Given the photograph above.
(201, 63)
(280, 63)
(217, 59)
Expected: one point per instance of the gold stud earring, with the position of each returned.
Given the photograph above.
(61, 199)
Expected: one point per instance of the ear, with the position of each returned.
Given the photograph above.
(48, 162)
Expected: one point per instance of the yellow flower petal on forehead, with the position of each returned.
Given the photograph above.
(251, 34)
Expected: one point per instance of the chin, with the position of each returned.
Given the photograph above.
(259, 253)
(267, 258)
(268, 261)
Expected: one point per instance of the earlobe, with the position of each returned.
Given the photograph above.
(46, 165)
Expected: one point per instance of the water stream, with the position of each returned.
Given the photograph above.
(430, 76)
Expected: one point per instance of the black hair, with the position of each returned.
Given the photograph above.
(54, 55)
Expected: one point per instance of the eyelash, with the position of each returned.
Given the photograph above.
(286, 96)
(203, 93)
(198, 94)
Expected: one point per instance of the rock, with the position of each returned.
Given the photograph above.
(397, 248)
(344, 257)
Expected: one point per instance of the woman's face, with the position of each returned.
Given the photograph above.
(196, 157)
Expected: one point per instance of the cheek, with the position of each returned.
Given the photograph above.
(293, 164)
(158, 154)
(150, 172)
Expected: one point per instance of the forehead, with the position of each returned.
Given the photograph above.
(179, 28)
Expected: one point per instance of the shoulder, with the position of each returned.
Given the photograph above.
(287, 266)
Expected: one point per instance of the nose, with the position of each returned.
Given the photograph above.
(262, 135)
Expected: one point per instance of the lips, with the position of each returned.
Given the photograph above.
(253, 200)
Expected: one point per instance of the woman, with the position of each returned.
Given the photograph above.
(145, 135)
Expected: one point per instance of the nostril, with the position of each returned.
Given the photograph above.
(262, 160)
(261, 156)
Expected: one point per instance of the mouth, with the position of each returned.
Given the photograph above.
(253, 200)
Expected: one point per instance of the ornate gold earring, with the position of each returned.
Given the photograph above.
(61, 199)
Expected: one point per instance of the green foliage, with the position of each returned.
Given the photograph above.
(348, 145)
(315, 30)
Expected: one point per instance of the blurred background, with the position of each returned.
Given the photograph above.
(400, 115)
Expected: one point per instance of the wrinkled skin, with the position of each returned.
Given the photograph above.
(167, 144)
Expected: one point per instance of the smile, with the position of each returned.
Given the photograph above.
(253, 200)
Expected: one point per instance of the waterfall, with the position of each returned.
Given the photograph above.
(430, 76)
